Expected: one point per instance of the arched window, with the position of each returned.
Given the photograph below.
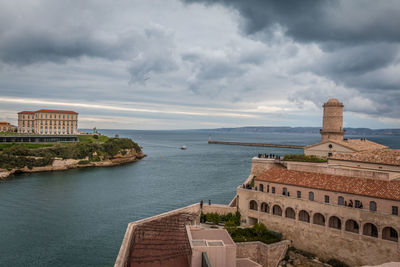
(261, 187)
(335, 222)
(276, 210)
(319, 219)
(340, 201)
(352, 226)
(304, 216)
(372, 206)
(389, 233)
(289, 213)
(253, 205)
(311, 196)
(284, 191)
(370, 230)
(264, 207)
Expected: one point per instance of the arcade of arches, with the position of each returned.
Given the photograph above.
(333, 222)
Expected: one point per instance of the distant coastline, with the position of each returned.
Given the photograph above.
(305, 130)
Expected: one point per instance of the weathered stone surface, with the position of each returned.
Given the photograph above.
(266, 255)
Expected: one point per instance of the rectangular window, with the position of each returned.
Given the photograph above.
(326, 199)
(357, 204)
(311, 196)
(298, 194)
(267, 188)
(395, 210)
(273, 190)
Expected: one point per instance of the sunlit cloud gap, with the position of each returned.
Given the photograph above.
(115, 108)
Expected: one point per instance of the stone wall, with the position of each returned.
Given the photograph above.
(259, 166)
(220, 209)
(266, 255)
(352, 248)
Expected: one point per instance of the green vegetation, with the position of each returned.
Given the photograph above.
(215, 218)
(27, 145)
(257, 232)
(93, 138)
(9, 161)
(304, 158)
(252, 181)
(88, 149)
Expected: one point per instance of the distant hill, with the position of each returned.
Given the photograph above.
(307, 130)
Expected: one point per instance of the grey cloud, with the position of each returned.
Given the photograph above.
(210, 72)
(356, 37)
(56, 31)
(320, 20)
(349, 61)
(359, 43)
(27, 47)
(157, 55)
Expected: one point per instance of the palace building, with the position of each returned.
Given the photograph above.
(46, 121)
(7, 127)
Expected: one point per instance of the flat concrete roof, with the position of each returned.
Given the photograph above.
(211, 234)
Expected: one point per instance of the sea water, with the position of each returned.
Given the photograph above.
(79, 217)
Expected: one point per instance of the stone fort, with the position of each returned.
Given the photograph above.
(345, 208)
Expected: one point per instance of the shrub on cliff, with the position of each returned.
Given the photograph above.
(9, 161)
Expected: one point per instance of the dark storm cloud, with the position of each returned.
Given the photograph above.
(320, 20)
(359, 43)
(27, 47)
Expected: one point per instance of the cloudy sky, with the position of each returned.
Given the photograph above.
(184, 64)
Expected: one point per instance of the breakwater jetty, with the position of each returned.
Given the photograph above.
(255, 144)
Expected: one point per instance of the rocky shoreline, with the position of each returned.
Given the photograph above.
(129, 155)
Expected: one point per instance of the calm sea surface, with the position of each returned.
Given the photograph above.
(79, 217)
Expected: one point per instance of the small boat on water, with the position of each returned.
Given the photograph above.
(183, 147)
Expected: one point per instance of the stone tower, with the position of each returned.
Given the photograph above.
(332, 125)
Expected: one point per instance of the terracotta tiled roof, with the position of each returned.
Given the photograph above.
(55, 111)
(355, 144)
(162, 242)
(361, 144)
(28, 112)
(383, 156)
(350, 185)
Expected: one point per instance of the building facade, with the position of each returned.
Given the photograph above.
(353, 219)
(7, 127)
(47, 121)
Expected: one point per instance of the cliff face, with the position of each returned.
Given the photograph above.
(125, 156)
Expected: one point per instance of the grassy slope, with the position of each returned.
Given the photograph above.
(82, 138)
